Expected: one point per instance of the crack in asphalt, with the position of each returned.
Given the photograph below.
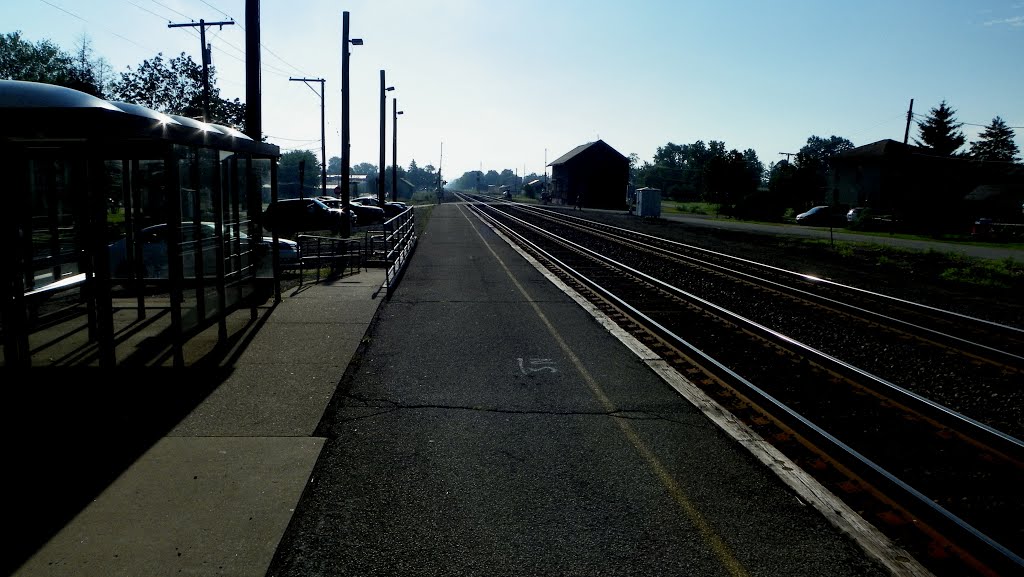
(391, 406)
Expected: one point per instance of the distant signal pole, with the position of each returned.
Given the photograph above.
(202, 24)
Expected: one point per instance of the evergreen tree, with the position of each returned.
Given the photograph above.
(996, 143)
(940, 131)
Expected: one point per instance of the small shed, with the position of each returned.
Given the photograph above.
(648, 202)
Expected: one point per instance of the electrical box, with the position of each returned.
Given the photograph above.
(648, 202)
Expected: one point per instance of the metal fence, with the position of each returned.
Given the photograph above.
(398, 242)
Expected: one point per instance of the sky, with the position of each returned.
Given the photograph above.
(495, 84)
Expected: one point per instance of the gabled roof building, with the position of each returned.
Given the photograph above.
(592, 175)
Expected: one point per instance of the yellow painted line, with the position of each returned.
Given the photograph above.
(713, 540)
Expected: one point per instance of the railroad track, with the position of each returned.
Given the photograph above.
(821, 372)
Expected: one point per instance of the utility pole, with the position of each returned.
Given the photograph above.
(202, 24)
(440, 182)
(788, 154)
(253, 101)
(544, 186)
(345, 160)
(381, 196)
(394, 149)
(910, 115)
(323, 142)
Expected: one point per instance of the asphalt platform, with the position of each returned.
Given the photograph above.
(482, 420)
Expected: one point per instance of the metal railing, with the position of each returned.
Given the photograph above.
(337, 255)
(397, 244)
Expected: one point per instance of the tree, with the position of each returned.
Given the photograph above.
(940, 131)
(634, 167)
(88, 73)
(754, 167)
(45, 62)
(42, 61)
(782, 181)
(728, 179)
(996, 143)
(176, 87)
(364, 168)
(288, 174)
(823, 149)
(814, 167)
(422, 178)
(334, 165)
(492, 178)
(679, 170)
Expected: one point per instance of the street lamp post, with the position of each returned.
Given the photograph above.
(323, 142)
(394, 149)
(345, 160)
(383, 106)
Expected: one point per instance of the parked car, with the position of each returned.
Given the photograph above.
(390, 208)
(291, 216)
(288, 251)
(854, 214)
(362, 215)
(336, 203)
(817, 216)
(155, 258)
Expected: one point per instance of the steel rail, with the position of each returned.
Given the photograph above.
(996, 354)
(550, 213)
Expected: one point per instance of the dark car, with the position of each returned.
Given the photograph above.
(817, 216)
(363, 215)
(294, 215)
(390, 208)
(337, 203)
(155, 258)
(288, 252)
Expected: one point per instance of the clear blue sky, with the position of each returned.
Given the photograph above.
(508, 85)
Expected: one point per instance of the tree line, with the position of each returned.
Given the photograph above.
(736, 181)
(303, 166)
(740, 184)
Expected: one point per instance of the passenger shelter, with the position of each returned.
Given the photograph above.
(117, 213)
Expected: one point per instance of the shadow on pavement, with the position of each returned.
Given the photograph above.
(70, 432)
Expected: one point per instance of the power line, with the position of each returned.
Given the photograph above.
(169, 8)
(265, 66)
(217, 9)
(70, 13)
(264, 46)
(293, 139)
(917, 115)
